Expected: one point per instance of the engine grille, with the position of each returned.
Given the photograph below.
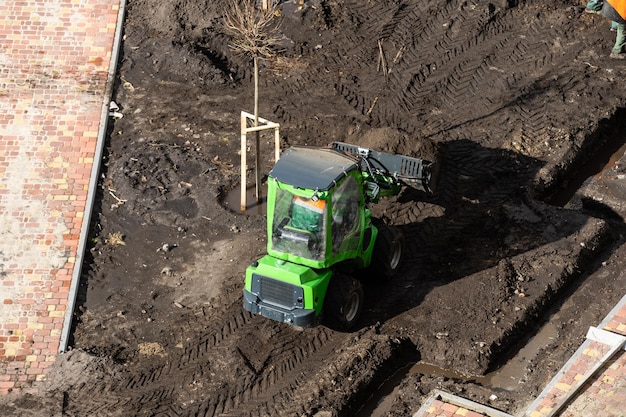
(277, 292)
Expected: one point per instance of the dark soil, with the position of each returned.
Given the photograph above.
(512, 96)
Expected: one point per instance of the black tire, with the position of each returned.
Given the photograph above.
(344, 302)
(388, 251)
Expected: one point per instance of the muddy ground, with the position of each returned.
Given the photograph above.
(518, 94)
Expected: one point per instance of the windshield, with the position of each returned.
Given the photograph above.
(299, 225)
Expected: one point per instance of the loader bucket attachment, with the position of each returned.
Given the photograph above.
(413, 172)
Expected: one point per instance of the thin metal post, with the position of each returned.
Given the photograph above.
(276, 144)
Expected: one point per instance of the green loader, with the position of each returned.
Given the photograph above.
(321, 232)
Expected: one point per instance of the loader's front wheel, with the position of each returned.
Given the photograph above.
(388, 251)
(344, 302)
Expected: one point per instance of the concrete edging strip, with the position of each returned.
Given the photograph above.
(93, 181)
(606, 337)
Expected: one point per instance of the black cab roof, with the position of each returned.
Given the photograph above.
(312, 168)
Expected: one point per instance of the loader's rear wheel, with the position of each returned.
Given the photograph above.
(344, 302)
(388, 251)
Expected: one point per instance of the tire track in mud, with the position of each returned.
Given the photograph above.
(153, 385)
(268, 388)
(475, 47)
(476, 183)
(505, 69)
(142, 390)
(273, 391)
(474, 180)
(479, 49)
(429, 39)
(233, 319)
(454, 94)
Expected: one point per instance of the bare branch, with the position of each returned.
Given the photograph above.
(255, 31)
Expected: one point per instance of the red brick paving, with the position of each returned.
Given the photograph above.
(605, 394)
(54, 64)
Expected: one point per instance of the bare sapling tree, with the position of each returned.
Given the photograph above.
(255, 33)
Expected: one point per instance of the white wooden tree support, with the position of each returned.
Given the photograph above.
(263, 124)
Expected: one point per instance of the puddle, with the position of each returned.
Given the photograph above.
(379, 404)
(602, 161)
(512, 373)
(232, 200)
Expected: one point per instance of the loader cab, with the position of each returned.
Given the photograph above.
(316, 213)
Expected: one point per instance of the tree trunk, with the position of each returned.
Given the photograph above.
(257, 172)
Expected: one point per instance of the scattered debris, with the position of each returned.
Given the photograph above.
(151, 349)
(119, 200)
(115, 239)
(113, 111)
(166, 247)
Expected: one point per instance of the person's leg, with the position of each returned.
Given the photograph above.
(620, 42)
(613, 26)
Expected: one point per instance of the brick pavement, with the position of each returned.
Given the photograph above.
(603, 396)
(55, 58)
